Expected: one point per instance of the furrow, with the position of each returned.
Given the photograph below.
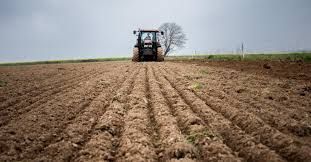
(285, 118)
(285, 145)
(175, 145)
(198, 132)
(279, 116)
(35, 91)
(76, 134)
(135, 142)
(102, 144)
(28, 80)
(278, 120)
(233, 136)
(25, 138)
(153, 125)
(282, 143)
(22, 107)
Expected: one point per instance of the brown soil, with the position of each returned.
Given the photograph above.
(186, 111)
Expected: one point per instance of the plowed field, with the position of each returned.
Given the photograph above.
(186, 111)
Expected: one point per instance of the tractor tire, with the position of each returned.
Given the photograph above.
(135, 57)
(160, 56)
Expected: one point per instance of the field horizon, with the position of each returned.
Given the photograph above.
(282, 56)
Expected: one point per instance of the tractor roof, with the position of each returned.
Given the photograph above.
(149, 30)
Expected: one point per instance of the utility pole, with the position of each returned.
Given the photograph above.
(242, 50)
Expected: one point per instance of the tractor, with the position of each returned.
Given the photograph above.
(147, 47)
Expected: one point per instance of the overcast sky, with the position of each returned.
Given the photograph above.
(71, 29)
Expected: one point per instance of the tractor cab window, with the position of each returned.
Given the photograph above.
(158, 37)
(148, 36)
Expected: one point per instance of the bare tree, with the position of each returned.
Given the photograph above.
(173, 38)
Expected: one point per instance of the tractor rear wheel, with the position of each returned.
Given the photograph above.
(160, 56)
(135, 57)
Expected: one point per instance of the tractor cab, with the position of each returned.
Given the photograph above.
(148, 45)
(147, 39)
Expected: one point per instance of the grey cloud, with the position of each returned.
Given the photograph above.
(69, 29)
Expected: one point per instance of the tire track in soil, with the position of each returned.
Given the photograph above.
(34, 91)
(136, 141)
(153, 125)
(233, 136)
(280, 117)
(174, 145)
(26, 137)
(210, 145)
(25, 106)
(104, 140)
(285, 145)
(79, 132)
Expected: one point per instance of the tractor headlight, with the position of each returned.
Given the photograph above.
(147, 46)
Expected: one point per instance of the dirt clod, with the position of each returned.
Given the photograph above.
(266, 66)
